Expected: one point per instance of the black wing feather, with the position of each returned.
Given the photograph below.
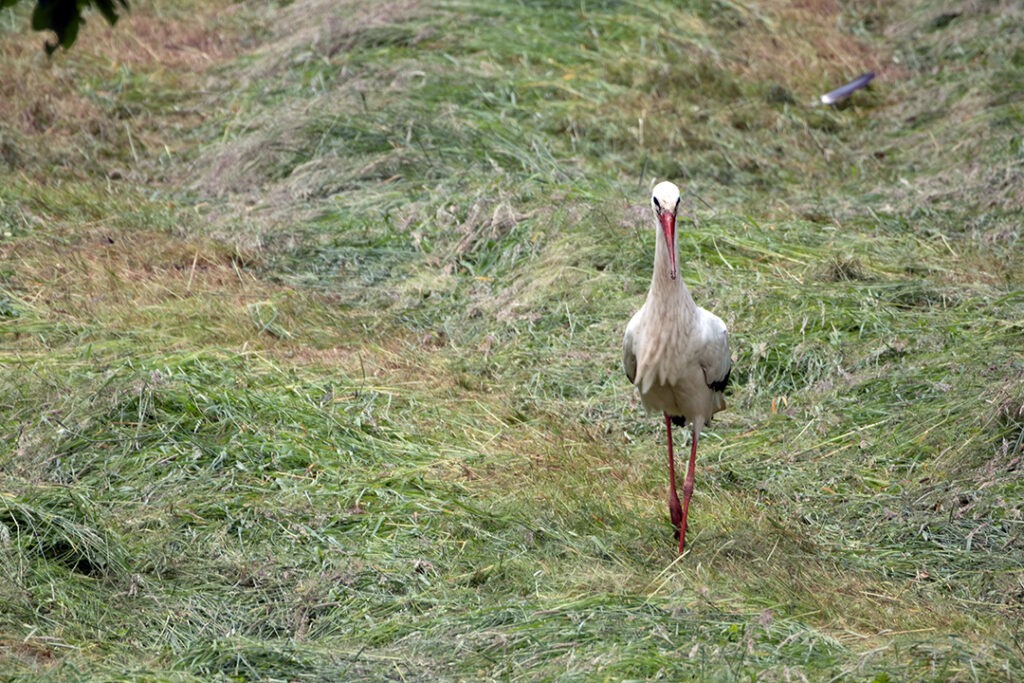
(721, 384)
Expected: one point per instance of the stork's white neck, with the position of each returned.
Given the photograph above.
(671, 296)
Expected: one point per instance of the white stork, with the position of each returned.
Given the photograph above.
(675, 352)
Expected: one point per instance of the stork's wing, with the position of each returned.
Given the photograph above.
(629, 354)
(715, 358)
(721, 384)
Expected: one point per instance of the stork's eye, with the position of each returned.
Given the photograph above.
(657, 204)
(677, 203)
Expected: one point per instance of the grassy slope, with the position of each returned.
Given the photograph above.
(310, 335)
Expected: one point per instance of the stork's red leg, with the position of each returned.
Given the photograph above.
(674, 510)
(688, 491)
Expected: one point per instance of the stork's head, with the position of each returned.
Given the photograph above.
(665, 200)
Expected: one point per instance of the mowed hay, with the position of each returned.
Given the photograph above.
(323, 381)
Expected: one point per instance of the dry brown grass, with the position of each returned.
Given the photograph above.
(804, 44)
(134, 280)
(173, 39)
(77, 111)
(152, 266)
(324, 29)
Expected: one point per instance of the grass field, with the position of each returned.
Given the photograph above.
(310, 326)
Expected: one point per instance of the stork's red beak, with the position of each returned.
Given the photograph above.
(668, 226)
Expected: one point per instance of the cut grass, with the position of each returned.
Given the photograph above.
(311, 365)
